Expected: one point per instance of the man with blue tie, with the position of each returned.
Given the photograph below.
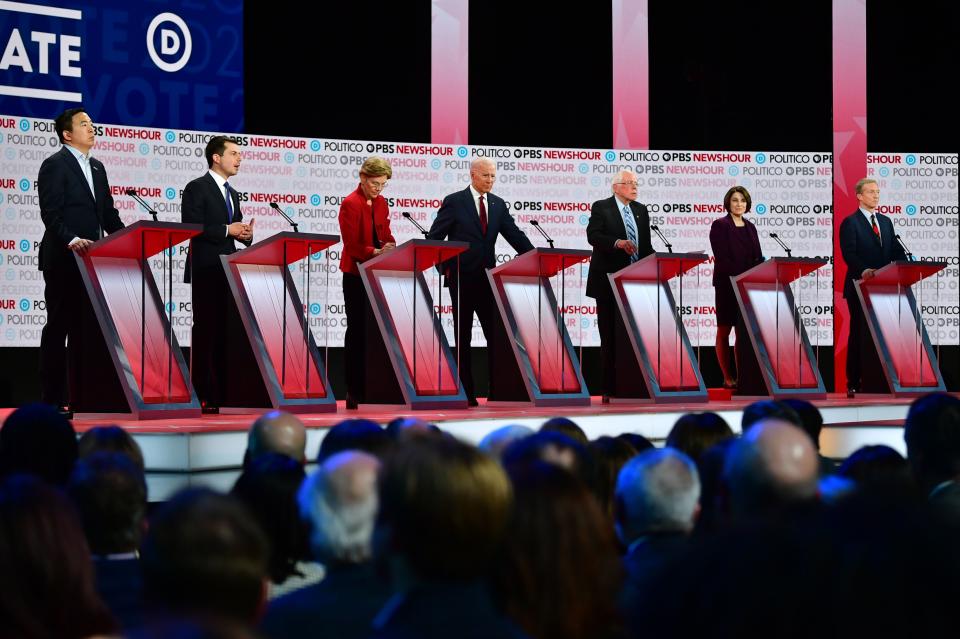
(619, 232)
(477, 216)
(212, 201)
(867, 243)
(77, 209)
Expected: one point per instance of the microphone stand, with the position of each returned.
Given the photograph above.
(274, 206)
(906, 251)
(777, 238)
(536, 225)
(415, 223)
(142, 203)
(656, 229)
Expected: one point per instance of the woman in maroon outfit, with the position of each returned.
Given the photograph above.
(736, 248)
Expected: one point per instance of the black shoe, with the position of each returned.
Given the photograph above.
(472, 402)
(852, 392)
(65, 411)
(605, 399)
(209, 409)
(351, 403)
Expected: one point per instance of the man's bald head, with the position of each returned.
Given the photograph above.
(772, 465)
(278, 432)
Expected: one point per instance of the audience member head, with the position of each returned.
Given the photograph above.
(403, 428)
(443, 508)
(38, 440)
(277, 432)
(112, 439)
(879, 470)
(694, 433)
(355, 434)
(771, 467)
(566, 426)
(658, 491)
(268, 488)
(110, 493)
(638, 441)
(932, 434)
(710, 469)
(607, 457)
(768, 409)
(339, 501)
(552, 447)
(204, 554)
(558, 572)
(811, 421)
(46, 575)
(497, 441)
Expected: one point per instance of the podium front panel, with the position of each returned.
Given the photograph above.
(147, 358)
(892, 310)
(776, 327)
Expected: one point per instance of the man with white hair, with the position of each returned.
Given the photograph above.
(477, 216)
(339, 501)
(657, 501)
(619, 232)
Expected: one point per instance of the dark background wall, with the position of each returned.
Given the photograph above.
(724, 76)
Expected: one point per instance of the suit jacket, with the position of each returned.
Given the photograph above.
(459, 220)
(355, 229)
(120, 584)
(862, 250)
(604, 229)
(728, 256)
(203, 203)
(68, 209)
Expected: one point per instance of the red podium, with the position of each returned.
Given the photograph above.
(906, 357)
(291, 369)
(781, 350)
(536, 325)
(661, 348)
(417, 347)
(139, 368)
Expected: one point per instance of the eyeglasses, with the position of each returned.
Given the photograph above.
(633, 184)
(379, 186)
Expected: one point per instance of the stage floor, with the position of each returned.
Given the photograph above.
(209, 450)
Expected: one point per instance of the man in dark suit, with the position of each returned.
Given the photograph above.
(619, 232)
(212, 201)
(867, 242)
(477, 216)
(77, 209)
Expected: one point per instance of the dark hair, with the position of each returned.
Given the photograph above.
(566, 426)
(638, 441)
(46, 575)
(400, 428)
(110, 439)
(694, 433)
(535, 448)
(355, 434)
(110, 493)
(608, 455)
(37, 440)
(64, 122)
(445, 506)
(559, 573)
(879, 469)
(204, 553)
(216, 146)
(268, 488)
(768, 409)
(811, 421)
(742, 191)
(710, 469)
(932, 434)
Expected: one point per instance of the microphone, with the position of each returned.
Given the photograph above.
(142, 203)
(415, 223)
(536, 225)
(273, 205)
(656, 229)
(906, 251)
(777, 238)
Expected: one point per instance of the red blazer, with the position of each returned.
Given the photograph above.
(355, 232)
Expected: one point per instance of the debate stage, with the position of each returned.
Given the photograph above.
(208, 451)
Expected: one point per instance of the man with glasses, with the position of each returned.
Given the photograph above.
(619, 232)
(477, 216)
(867, 242)
(365, 232)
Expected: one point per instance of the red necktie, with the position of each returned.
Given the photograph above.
(876, 229)
(483, 216)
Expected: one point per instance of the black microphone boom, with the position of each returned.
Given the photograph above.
(415, 223)
(536, 225)
(142, 203)
(656, 229)
(780, 242)
(274, 206)
(906, 251)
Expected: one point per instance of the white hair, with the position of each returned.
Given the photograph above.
(658, 491)
(477, 164)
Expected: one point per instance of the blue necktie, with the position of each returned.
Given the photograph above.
(226, 188)
(631, 230)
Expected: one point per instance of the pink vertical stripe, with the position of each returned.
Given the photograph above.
(449, 75)
(849, 150)
(631, 75)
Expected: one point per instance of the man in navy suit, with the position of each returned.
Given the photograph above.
(867, 243)
(212, 201)
(619, 232)
(477, 216)
(77, 209)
